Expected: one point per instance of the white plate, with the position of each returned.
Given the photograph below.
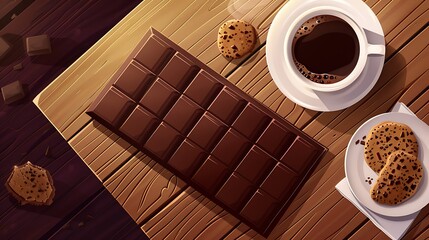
(357, 171)
(298, 92)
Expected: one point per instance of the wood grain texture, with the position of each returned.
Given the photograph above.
(102, 154)
(142, 186)
(318, 204)
(100, 218)
(367, 231)
(190, 216)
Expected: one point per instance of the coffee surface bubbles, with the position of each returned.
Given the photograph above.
(325, 49)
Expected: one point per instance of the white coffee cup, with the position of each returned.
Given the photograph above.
(365, 49)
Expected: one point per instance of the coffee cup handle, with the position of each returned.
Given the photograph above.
(375, 49)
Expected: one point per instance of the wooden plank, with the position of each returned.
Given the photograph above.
(367, 231)
(102, 150)
(420, 102)
(142, 186)
(408, 26)
(243, 232)
(392, 15)
(102, 218)
(190, 216)
(380, 5)
(420, 84)
(25, 133)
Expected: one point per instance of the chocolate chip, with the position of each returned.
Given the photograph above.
(378, 155)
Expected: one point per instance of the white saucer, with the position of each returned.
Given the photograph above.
(298, 92)
(357, 171)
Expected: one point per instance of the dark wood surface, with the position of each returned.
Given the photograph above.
(82, 207)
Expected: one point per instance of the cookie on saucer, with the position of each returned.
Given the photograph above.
(386, 138)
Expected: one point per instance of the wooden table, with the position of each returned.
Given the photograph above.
(162, 204)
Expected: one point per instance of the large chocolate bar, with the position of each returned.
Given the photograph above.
(224, 143)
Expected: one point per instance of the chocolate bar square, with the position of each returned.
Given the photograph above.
(134, 80)
(179, 71)
(163, 141)
(231, 148)
(207, 131)
(280, 174)
(159, 98)
(227, 106)
(114, 107)
(260, 210)
(184, 114)
(210, 175)
(139, 125)
(275, 139)
(154, 54)
(251, 122)
(12, 92)
(187, 158)
(38, 45)
(255, 164)
(235, 191)
(203, 89)
(298, 154)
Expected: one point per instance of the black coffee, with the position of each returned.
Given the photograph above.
(325, 49)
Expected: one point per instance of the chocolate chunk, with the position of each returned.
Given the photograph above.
(38, 45)
(17, 67)
(12, 92)
(219, 140)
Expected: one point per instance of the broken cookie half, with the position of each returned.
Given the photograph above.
(398, 180)
(31, 184)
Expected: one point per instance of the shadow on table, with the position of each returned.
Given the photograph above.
(62, 49)
(16, 51)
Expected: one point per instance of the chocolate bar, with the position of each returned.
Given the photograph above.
(222, 142)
